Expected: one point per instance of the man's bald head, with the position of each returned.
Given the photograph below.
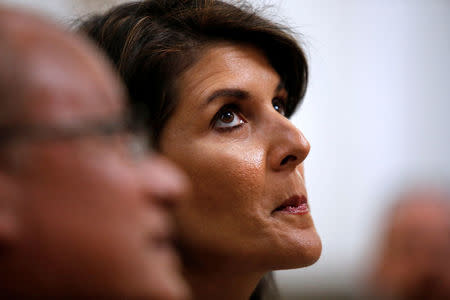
(37, 59)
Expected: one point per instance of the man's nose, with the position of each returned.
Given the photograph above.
(165, 183)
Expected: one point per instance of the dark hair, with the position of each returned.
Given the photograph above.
(152, 42)
(266, 289)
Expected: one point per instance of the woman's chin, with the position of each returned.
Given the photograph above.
(301, 252)
(312, 253)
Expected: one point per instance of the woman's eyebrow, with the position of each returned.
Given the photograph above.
(231, 92)
(279, 87)
(236, 93)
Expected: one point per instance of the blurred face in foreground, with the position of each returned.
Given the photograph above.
(81, 215)
(250, 208)
(415, 263)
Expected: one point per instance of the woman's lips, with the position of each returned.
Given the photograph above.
(296, 205)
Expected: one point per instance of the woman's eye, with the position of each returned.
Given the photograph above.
(227, 118)
(279, 106)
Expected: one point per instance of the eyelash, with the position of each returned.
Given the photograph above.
(281, 101)
(235, 110)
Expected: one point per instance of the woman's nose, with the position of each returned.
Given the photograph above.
(288, 146)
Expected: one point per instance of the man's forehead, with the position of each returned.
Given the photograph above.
(61, 87)
(63, 77)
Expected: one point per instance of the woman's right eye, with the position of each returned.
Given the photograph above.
(227, 118)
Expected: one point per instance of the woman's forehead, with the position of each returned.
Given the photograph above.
(231, 66)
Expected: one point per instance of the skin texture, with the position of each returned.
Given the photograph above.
(79, 218)
(229, 233)
(415, 261)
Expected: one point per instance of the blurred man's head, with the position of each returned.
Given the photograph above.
(415, 260)
(79, 215)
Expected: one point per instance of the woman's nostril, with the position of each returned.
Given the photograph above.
(287, 159)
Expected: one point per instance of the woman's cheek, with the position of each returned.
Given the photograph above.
(225, 177)
(237, 169)
(228, 185)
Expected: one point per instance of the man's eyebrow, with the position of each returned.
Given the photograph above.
(229, 92)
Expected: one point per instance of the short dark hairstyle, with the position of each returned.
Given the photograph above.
(152, 42)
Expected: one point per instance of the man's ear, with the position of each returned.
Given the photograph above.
(9, 217)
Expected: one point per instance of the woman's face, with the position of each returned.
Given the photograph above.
(245, 160)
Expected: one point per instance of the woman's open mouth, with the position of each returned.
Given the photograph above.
(296, 205)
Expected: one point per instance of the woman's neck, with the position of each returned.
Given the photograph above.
(221, 284)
